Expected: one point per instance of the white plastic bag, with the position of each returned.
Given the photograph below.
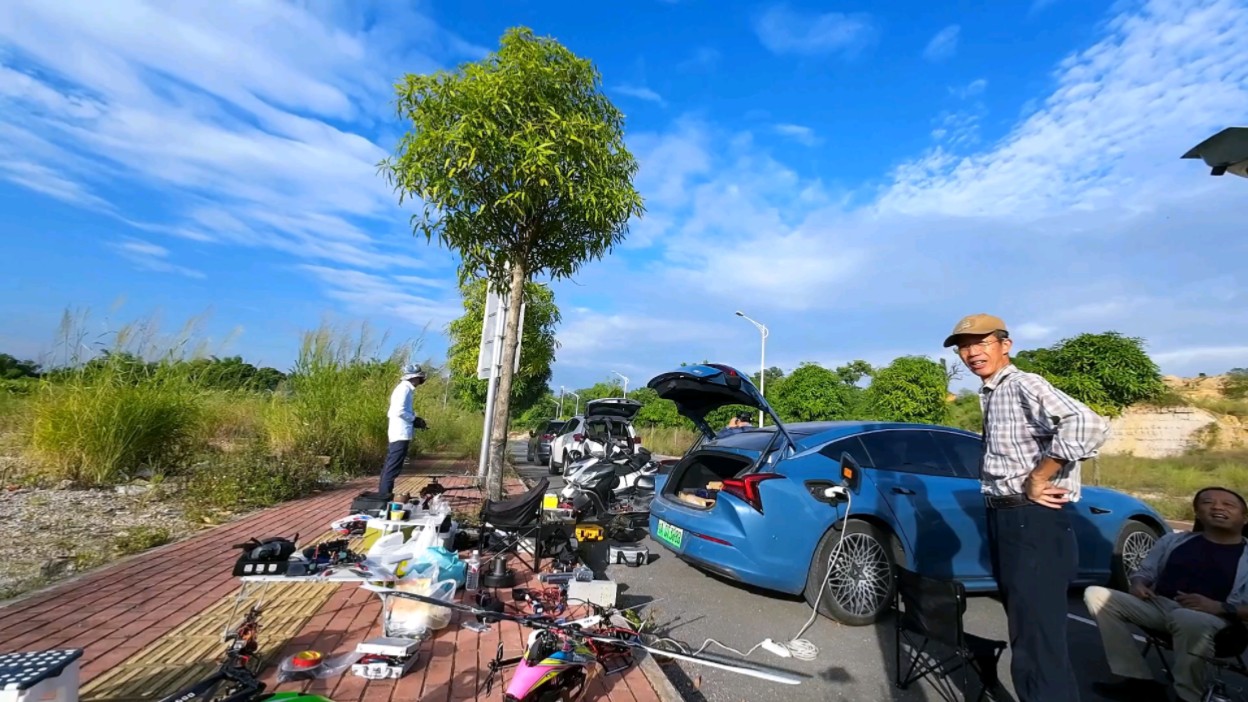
(410, 618)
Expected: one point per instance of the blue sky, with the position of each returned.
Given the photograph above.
(856, 176)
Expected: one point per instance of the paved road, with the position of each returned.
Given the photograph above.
(854, 663)
(530, 472)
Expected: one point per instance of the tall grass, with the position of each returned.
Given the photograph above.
(101, 421)
(1168, 484)
(334, 402)
(667, 441)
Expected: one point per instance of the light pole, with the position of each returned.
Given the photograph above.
(625, 377)
(578, 403)
(762, 361)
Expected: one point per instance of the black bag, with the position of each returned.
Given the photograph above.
(371, 502)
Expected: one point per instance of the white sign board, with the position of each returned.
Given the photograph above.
(491, 334)
(489, 356)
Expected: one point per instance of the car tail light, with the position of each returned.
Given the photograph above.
(578, 437)
(637, 441)
(747, 488)
(547, 437)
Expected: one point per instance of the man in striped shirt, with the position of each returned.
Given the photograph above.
(1034, 438)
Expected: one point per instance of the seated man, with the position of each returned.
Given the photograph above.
(1190, 585)
(739, 423)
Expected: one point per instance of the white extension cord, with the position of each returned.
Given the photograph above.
(796, 647)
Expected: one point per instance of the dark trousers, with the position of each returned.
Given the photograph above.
(1035, 558)
(395, 457)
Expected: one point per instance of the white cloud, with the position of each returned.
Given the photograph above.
(943, 45)
(787, 31)
(1081, 219)
(975, 87)
(800, 134)
(370, 294)
(702, 58)
(224, 115)
(640, 92)
(152, 257)
(1110, 134)
(1223, 356)
(1031, 331)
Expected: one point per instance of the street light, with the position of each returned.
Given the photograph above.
(578, 403)
(625, 377)
(762, 362)
(559, 414)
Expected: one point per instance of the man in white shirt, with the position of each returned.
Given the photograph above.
(403, 420)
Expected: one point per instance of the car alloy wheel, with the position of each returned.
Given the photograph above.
(860, 575)
(1133, 544)
(861, 585)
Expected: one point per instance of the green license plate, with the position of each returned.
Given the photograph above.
(673, 535)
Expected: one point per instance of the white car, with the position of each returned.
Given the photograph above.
(604, 421)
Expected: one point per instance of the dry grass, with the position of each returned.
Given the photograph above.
(1168, 484)
(667, 441)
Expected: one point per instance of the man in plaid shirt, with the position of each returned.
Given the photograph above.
(1034, 438)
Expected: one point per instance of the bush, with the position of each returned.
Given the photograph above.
(102, 427)
(335, 402)
(249, 479)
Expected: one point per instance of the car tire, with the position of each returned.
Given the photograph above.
(554, 468)
(1133, 542)
(869, 552)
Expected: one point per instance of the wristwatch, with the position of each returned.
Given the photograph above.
(1230, 610)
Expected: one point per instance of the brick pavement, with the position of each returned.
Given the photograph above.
(136, 614)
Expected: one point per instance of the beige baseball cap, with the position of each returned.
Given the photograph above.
(975, 324)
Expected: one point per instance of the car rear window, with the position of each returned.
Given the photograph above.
(553, 427)
(746, 440)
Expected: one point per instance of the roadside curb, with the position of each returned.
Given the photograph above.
(662, 684)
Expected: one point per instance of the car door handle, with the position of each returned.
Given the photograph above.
(903, 491)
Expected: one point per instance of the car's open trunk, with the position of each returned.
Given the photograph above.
(696, 480)
(604, 430)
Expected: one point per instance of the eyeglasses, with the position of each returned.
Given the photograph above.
(981, 345)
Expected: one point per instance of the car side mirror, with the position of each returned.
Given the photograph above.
(851, 474)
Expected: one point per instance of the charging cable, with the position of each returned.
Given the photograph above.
(799, 648)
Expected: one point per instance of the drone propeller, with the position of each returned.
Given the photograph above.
(754, 670)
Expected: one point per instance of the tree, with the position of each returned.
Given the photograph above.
(12, 369)
(910, 389)
(1236, 385)
(537, 350)
(520, 165)
(1106, 371)
(814, 393)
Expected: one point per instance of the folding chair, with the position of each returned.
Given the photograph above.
(518, 518)
(930, 610)
(1229, 647)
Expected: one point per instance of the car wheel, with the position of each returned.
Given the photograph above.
(1134, 542)
(554, 470)
(861, 586)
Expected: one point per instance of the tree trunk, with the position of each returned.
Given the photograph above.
(502, 401)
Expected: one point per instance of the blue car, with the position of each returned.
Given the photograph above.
(767, 506)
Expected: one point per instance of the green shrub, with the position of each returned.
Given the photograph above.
(335, 402)
(249, 478)
(101, 428)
